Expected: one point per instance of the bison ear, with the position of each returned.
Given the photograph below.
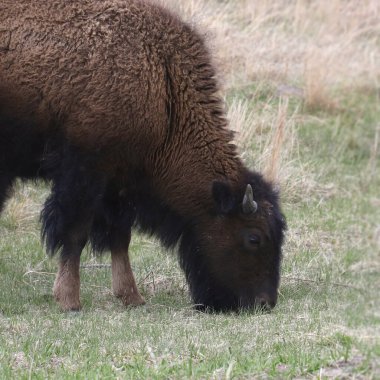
(223, 197)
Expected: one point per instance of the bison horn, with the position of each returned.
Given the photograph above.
(249, 205)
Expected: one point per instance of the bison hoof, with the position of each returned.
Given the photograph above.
(69, 306)
(67, 303)
(136, 301)
(129, 295)
(133, 299)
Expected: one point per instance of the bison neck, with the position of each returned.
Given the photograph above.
(184, 177)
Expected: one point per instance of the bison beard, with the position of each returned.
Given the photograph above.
(117, 108)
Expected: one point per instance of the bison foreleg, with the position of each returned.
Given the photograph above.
(112, 230)
(67, 282)
(123, 281)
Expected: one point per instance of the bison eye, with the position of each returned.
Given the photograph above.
(252, 241)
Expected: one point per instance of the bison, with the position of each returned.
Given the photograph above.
(116, 104)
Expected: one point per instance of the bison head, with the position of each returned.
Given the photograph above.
(232, 256)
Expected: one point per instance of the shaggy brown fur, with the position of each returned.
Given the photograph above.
(116, 103)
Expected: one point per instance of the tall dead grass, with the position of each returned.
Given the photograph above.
(268, 142)
(318, 45)
(23, 208)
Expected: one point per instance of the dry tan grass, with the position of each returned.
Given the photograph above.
(271, 170)
(317, 44)
(269, 143)
(22, 209)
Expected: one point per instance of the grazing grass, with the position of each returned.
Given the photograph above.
(302, 83)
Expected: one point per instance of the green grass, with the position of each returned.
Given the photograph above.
(327, 321)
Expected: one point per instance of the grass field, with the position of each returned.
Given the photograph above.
(302, 84)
